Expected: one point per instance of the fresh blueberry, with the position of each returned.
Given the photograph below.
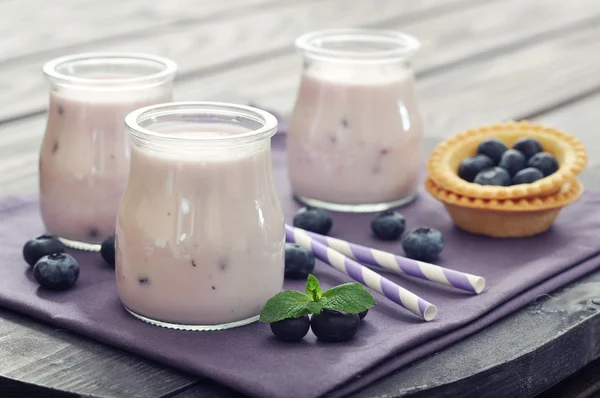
(363, 314)
(528, 147)
(493, 148)
(472, 165)
(56, 271)
(494, 176)
(41, 246)
(388, 225)
(314, 220)
(512, 161)
(544, 162)
(291, 329)
(527, 176)
(334, 326)
(299, 262)
(107, 250)
(423, 244)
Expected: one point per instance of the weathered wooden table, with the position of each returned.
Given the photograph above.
(482, 61)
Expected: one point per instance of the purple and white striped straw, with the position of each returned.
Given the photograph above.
(402, 265)
(364, 275)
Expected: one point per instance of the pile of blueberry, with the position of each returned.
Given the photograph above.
(495, 164)
(329, 325)
(52, 267)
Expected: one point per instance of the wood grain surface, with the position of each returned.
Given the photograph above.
(482, 61)
(217, 45)
(39, 28)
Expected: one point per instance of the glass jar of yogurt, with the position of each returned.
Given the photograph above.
(84, 157)
(200, 230)
(356, 132)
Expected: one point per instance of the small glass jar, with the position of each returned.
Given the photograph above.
(355, 136)
(84, 157)
(200, 230)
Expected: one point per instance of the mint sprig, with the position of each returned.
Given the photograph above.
(349, 297)
(313, 288)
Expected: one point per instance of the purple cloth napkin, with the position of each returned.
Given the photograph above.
(249, 359)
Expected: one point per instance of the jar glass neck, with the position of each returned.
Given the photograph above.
(110, 71)
(194, 127)
(358, 46)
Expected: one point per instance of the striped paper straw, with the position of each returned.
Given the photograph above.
(364, 275)
(402, 265)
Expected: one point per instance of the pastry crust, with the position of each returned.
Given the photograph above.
(508, 218)
(443, 163)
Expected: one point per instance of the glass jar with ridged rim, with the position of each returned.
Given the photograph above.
(200, 231)
(355, 136)
(84, 157)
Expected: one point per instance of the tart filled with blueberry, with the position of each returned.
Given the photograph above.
(507, 161)
(506, 180)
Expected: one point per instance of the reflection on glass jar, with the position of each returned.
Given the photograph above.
(356, 132)
(84, 158)
(200, 230)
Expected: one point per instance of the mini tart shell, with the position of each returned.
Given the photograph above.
(443, 163)
(505, 218)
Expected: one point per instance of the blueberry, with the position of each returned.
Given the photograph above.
(334, 326)
(299, 262)
(527, 176)
(107, 250)
(493, 147)
(56, 271)
(291, 329)
(388, 225)
(41, 246)
(363, 314)
(528, 147)
(472, 165)
(314, 220)
(512, 161)
(423, 244)
(494, 176)
(544, 162)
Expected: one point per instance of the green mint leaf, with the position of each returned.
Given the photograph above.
(313, 288)
(349, 297)
(283, 305)
(315, 307)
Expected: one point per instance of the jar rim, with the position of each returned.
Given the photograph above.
(167, 72)
(267, 121)
(401, 45)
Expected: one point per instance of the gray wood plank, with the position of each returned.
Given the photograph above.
(581, 118)
(44, 355)
(36, 27)
(213, 46)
